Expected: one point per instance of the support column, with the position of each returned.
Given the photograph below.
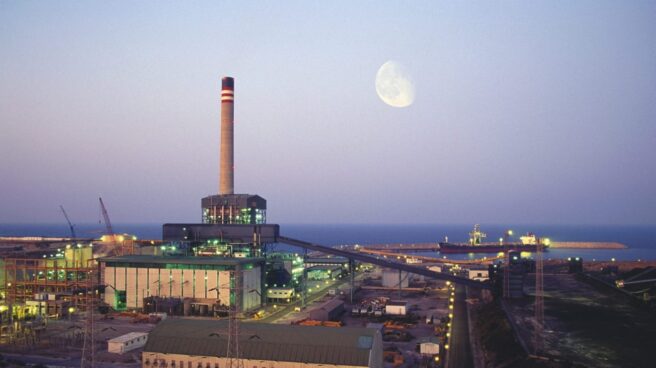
(352, 276)
(304, 280)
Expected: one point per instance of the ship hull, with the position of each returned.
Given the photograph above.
(486, 248)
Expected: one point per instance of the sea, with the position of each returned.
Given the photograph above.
(639, 239)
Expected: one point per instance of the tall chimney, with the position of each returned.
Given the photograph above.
(227, 166)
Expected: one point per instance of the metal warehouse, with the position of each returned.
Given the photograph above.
(203, 343)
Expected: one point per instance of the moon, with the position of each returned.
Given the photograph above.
(394, 85)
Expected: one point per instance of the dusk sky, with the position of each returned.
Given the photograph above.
(524, 112)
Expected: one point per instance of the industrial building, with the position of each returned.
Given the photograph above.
(478, 273)
(49, 281)
(203, 343)
(396, 308)
(328, 311)
(429, 345)
(234, 209)
(127, 342)
(321, 272)
(205, 281)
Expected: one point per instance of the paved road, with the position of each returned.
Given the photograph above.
(460, 355)
(312, 296)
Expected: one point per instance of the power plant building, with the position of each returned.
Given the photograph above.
(201, 281)
(234, 209)
(203, 343)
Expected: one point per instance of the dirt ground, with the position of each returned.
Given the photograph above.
(587, 325)
(63, 339)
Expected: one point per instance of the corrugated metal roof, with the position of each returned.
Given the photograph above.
(260, 341)
(331, 304)
(397, 303)
(128, 336)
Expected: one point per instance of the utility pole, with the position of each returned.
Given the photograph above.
(232, 354)
(539, 298)
(506, 269)
(89, 345)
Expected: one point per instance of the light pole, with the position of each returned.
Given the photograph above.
(157, 298)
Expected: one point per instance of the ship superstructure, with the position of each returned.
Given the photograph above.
(527, 243)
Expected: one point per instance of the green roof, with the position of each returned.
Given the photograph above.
(261, 341)
(182, 260)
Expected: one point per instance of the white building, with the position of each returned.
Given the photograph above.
(396, 308)
(429, 346)
(479, 274)
(435, 268)
(130, 279)
(127, 342)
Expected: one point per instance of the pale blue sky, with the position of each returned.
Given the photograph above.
(525, 112)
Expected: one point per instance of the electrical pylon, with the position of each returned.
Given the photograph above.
(232, 352)
(89, 345)
(506, 275)
(539, 298)
(506, 269)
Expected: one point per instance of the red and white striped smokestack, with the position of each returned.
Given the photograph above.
(227, 166)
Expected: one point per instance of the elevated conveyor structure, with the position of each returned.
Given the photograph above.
(396, 255)
(365, 258)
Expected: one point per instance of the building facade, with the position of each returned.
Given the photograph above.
(190, 343)
(129, 280)
(234, 209)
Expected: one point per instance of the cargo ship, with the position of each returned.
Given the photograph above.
(527, 243)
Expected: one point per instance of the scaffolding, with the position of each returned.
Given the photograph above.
(90, 305)
(51, 280)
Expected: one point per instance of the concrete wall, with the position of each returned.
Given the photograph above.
(252, 281)
(222, 362)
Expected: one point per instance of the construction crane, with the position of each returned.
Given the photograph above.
(70, 225)
(108, 223)
(90, 304)
(120, 245)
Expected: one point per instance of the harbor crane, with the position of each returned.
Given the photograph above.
(70, 225)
